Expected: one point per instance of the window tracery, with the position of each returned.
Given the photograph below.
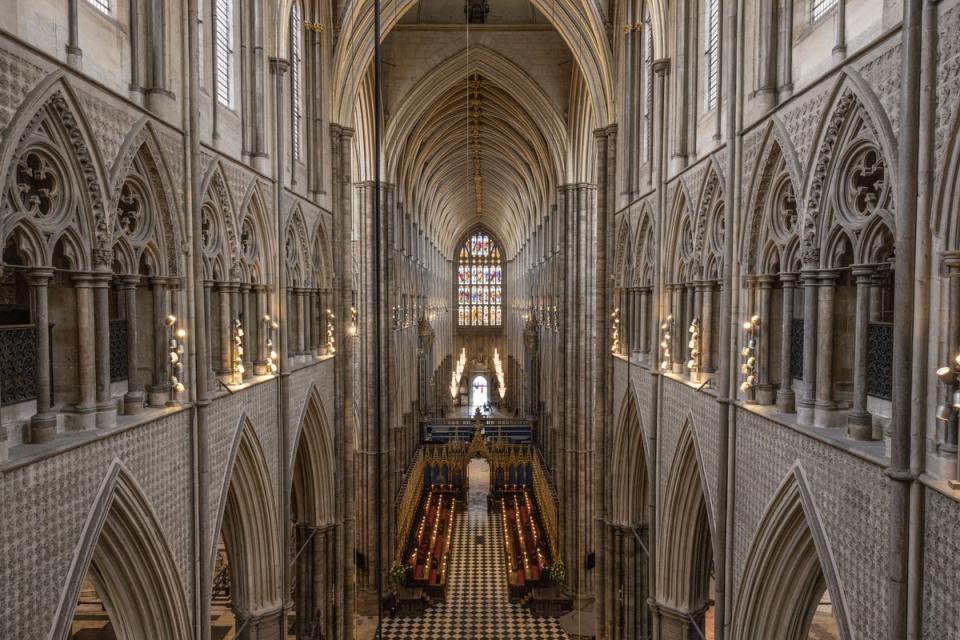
(480, 282)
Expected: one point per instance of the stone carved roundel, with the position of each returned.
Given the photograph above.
(248, 241)
(863, 184)
(40, 187)
(132, 217)
(783, 218)
(209, 230)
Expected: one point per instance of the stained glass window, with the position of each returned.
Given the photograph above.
(480, 282)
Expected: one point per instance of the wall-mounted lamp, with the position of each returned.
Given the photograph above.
(749, 366)
(238, 367)
(666, 343)
(693, 363)
(269, 326)
(352, 329)
(615, 331)
(175, 352)
(331, 339)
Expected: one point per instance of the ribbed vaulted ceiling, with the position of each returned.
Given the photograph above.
(476, 142)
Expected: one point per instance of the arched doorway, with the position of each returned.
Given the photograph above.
(479, 395)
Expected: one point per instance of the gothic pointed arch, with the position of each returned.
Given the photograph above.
(790, 541)
(684, 565)
(296, 248)
(143, 201)
(257, 254)
(851, 170)
(313, 457)
(54, 175)
(772, 211)
(124, 553)
(630, 479)
(247, 519)
(218, 223)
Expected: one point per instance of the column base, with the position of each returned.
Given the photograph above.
(828, 416)
(786, 401)
(43, 428)
(860, 425)
(106, 415)
(765, 394)
(262, 626)
(681, 625)
(132, 403)
(805, 412)
(157, 396)
(80, 419)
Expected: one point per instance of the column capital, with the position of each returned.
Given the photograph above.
(279, 66)
(828, 277)
(170, 282)
(950, 263)
(39, 275)
(863, 272)
(789, 280)
(85, 278)
(766, 281)
(261, 288)
(127, 281)
(661, 66)
(245, 287)
(228, 287)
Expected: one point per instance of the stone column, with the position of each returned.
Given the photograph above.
(83, 415)
(676, 346)
(249, 323)
(786, 400)
(825, 407)
(226, 329)
(301, 322)
(210, 365)
(643, 342)
(706, 328)
(859, 420)
(765, 392)
(133, 399)
(158, 392)
(106, 408)
(43, 425)
(805, 405)
(260, 330)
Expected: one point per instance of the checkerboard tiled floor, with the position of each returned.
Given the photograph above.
(476, 606)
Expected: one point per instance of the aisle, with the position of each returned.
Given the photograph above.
(477, 606)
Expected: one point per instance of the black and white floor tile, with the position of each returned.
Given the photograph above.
(477, 606)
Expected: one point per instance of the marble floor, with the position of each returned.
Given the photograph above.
(477, 606)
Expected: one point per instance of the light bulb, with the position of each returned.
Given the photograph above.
(181, 333)
(751, 361)
(747, 326)
(174, 358)
(744, 387)
(946, 375)
(178, 387)
(746, 351)
(755, 319)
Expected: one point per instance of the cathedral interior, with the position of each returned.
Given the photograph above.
(479, 319)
